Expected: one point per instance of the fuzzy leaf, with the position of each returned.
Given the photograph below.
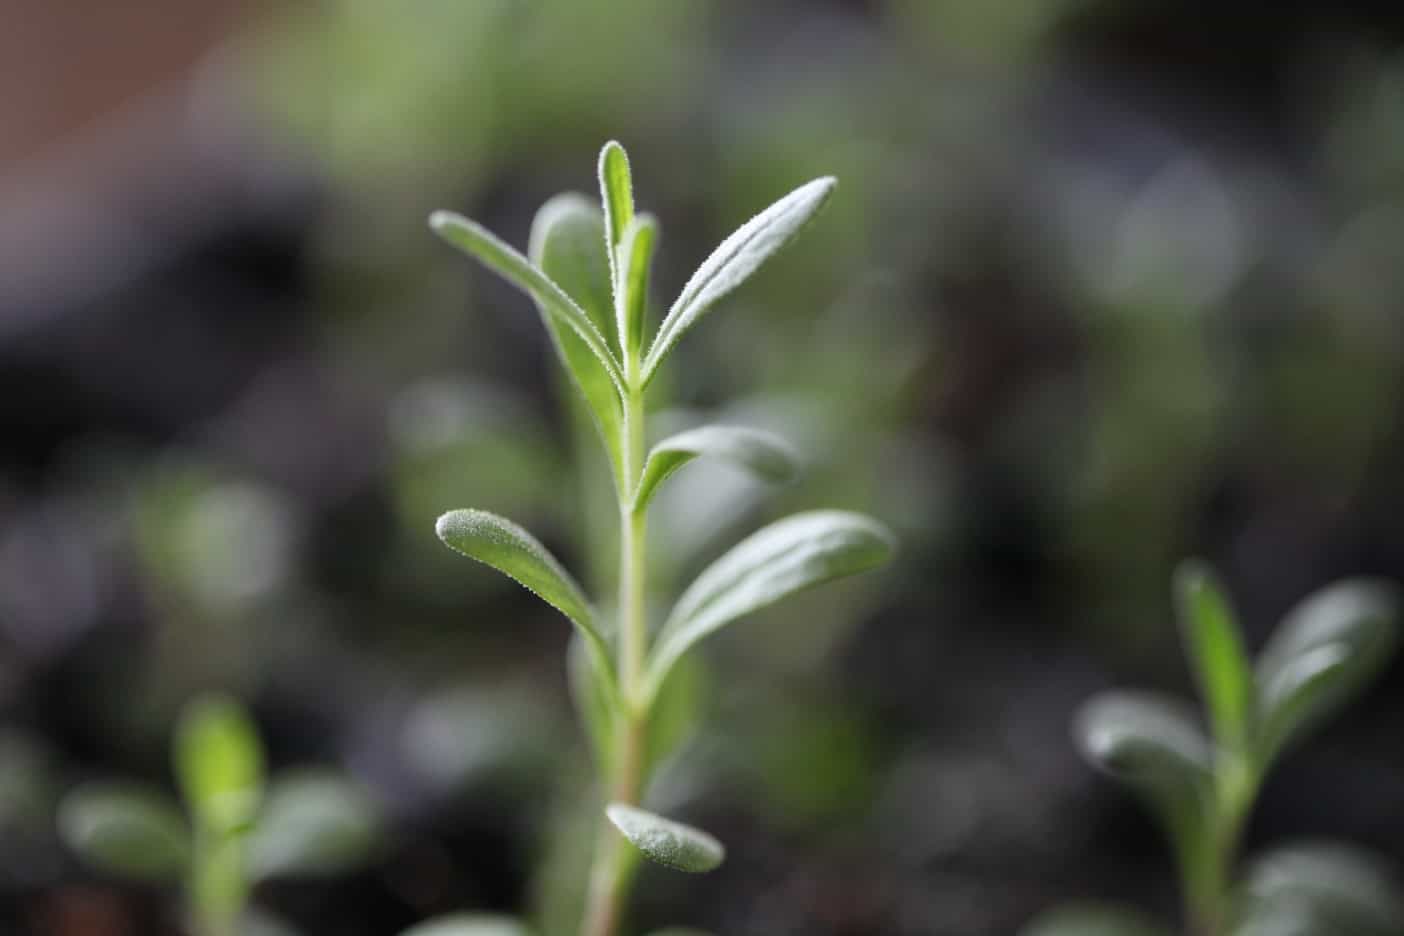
(1093, 919)
(669, 843)
(635, 258)
(127, 829)
(511, 550)
(1326, 650)
(734, 261)
(315, 822)
(469, 924)
(1214, 646)
(617, 197)
(763, 454)
(567, 244)
(793, 554)
(560, 313)
(219, 763)
(1337, 888)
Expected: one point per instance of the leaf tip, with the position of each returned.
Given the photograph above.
(671, 844)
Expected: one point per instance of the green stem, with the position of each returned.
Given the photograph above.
(612, 873)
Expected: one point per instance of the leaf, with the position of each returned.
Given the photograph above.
(1150, 743)
(1325, 651)
(675, 712)
(669, 843)
(617, 196)
(763, 454)
(635, 256)
(590, 692)
(559, 311)
(127, 829)
(734, 261)
(1339, 888)
(567, 244)
(219, 763)
(1214, 646)
(315, 822)
(1093, 919)
(469, 924)
(793, 554)
(511, 550)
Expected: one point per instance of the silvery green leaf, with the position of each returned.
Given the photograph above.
(1093, 919)
(219, 763)
(469, 924)
(560, 313)
(763, 454)
(1341, 889)
(314, 822)
(679, 931)
(511, 550)
(734, 261)
(255, 922)
(671, 844)
(127, 829)
(617, 197)
(1326, 649)
(790, 555)
(1214, 646)
(635, 259)
(567, 244)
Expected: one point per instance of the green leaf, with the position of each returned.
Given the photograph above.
(763, 454)
(1094, 919)
(793, 554)
(567, 244)
(127, 829)
(1326, 650)
(679, 931)
(590, 691)
(1214, 646)
(511, 550)
(1338, 888)
(617, 196)
(734, 261)
(669, 843)
(675, 712)
(635, 257)
(469, 924)
(315, 822)
(559, 311)
(219, 763)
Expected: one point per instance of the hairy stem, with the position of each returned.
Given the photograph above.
(614, 864)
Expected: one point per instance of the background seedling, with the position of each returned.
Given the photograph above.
(1202, 788)
(588, 273)
(235, 829)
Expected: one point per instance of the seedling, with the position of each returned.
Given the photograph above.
(234, 831)
(1202, 788)
(588, 274)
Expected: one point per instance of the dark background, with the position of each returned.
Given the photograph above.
(1104, 285)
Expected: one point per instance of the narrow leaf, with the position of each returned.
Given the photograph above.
(635, 257)
(511, 550)
(1214, 646)
(560, 312)
(1094, 919)
(469, 924)
(1324, 652)
(126, 829)
(1339, 888)
(734, 261)
(671, 844)
(763, 454)
(219, 763)
(567, 244)
(315, 822)
(590, 691)
(617, 196)
(788, 556)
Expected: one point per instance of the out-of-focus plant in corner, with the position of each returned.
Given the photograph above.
(1202, 789)
(588, 273)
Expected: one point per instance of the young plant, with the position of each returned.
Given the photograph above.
(588, 274)
(1202, 789)
(235, 829)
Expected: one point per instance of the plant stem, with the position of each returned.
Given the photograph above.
(613, 868)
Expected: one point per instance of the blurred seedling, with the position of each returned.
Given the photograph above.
(1201, 787)
(587, 270)
(235, 829)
